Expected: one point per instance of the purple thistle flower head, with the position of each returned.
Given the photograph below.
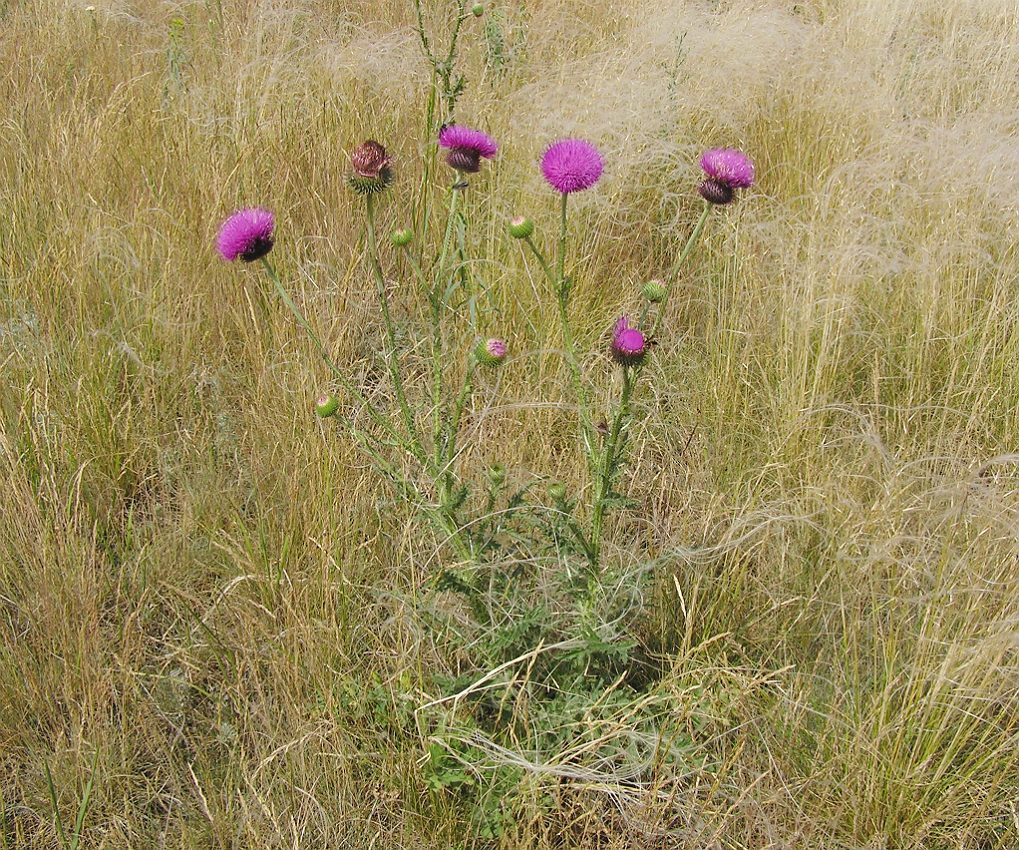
(466, 147)
(628, 344)
(731, 167)
(571, 165)
(727, 169)
(246, 234)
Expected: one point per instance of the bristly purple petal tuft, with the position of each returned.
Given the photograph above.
(571, 165)
(246, 234)
(729, 167)
(628, 344)
(468, 140)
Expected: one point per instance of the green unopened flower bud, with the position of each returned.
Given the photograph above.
(496, 473)
(402, 238)
(326, 406)
(557, 490)
(490, 352)
(477, 10)
(654, 291)
(521, 227)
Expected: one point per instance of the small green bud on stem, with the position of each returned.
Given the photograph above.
(402, 238)
(654, 291)
(521, 227)
(326, 406)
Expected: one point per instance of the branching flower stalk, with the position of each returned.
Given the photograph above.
(670, 280)
(369, 408)
(466, 147)
(392, 353)
(611, 456)
(570, 165)
(443, 68)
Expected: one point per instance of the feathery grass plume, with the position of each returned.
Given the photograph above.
(571, 165)
(628, 343)
(727, 169)
(466, 147)
(246, 234)
(371, 170)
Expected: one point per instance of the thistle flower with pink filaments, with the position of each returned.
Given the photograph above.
(628, 344)
(491, 352)
(571, 165)
(246, 234)
(466, 147)
(726, 169)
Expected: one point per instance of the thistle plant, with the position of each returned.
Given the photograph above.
(427, 425)
(575, 624)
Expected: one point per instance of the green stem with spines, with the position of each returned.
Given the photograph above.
(562, 287)
(392, 355)
(609, 460)
(437, 300)
(453, 426)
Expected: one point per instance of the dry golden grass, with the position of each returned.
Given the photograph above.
(206, 595)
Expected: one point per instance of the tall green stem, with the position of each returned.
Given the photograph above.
(562, 295)
(609, 459)
(447, 238)
(561, 255)
(671, 278)
(437, 299)
(392, 355)
(454, 423)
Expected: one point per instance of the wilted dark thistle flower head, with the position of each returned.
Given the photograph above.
(246, 234)
(726, 170)
(371, 171)
(628, 343)
(466, 147)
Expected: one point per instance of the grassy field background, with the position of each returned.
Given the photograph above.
(216, 622)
